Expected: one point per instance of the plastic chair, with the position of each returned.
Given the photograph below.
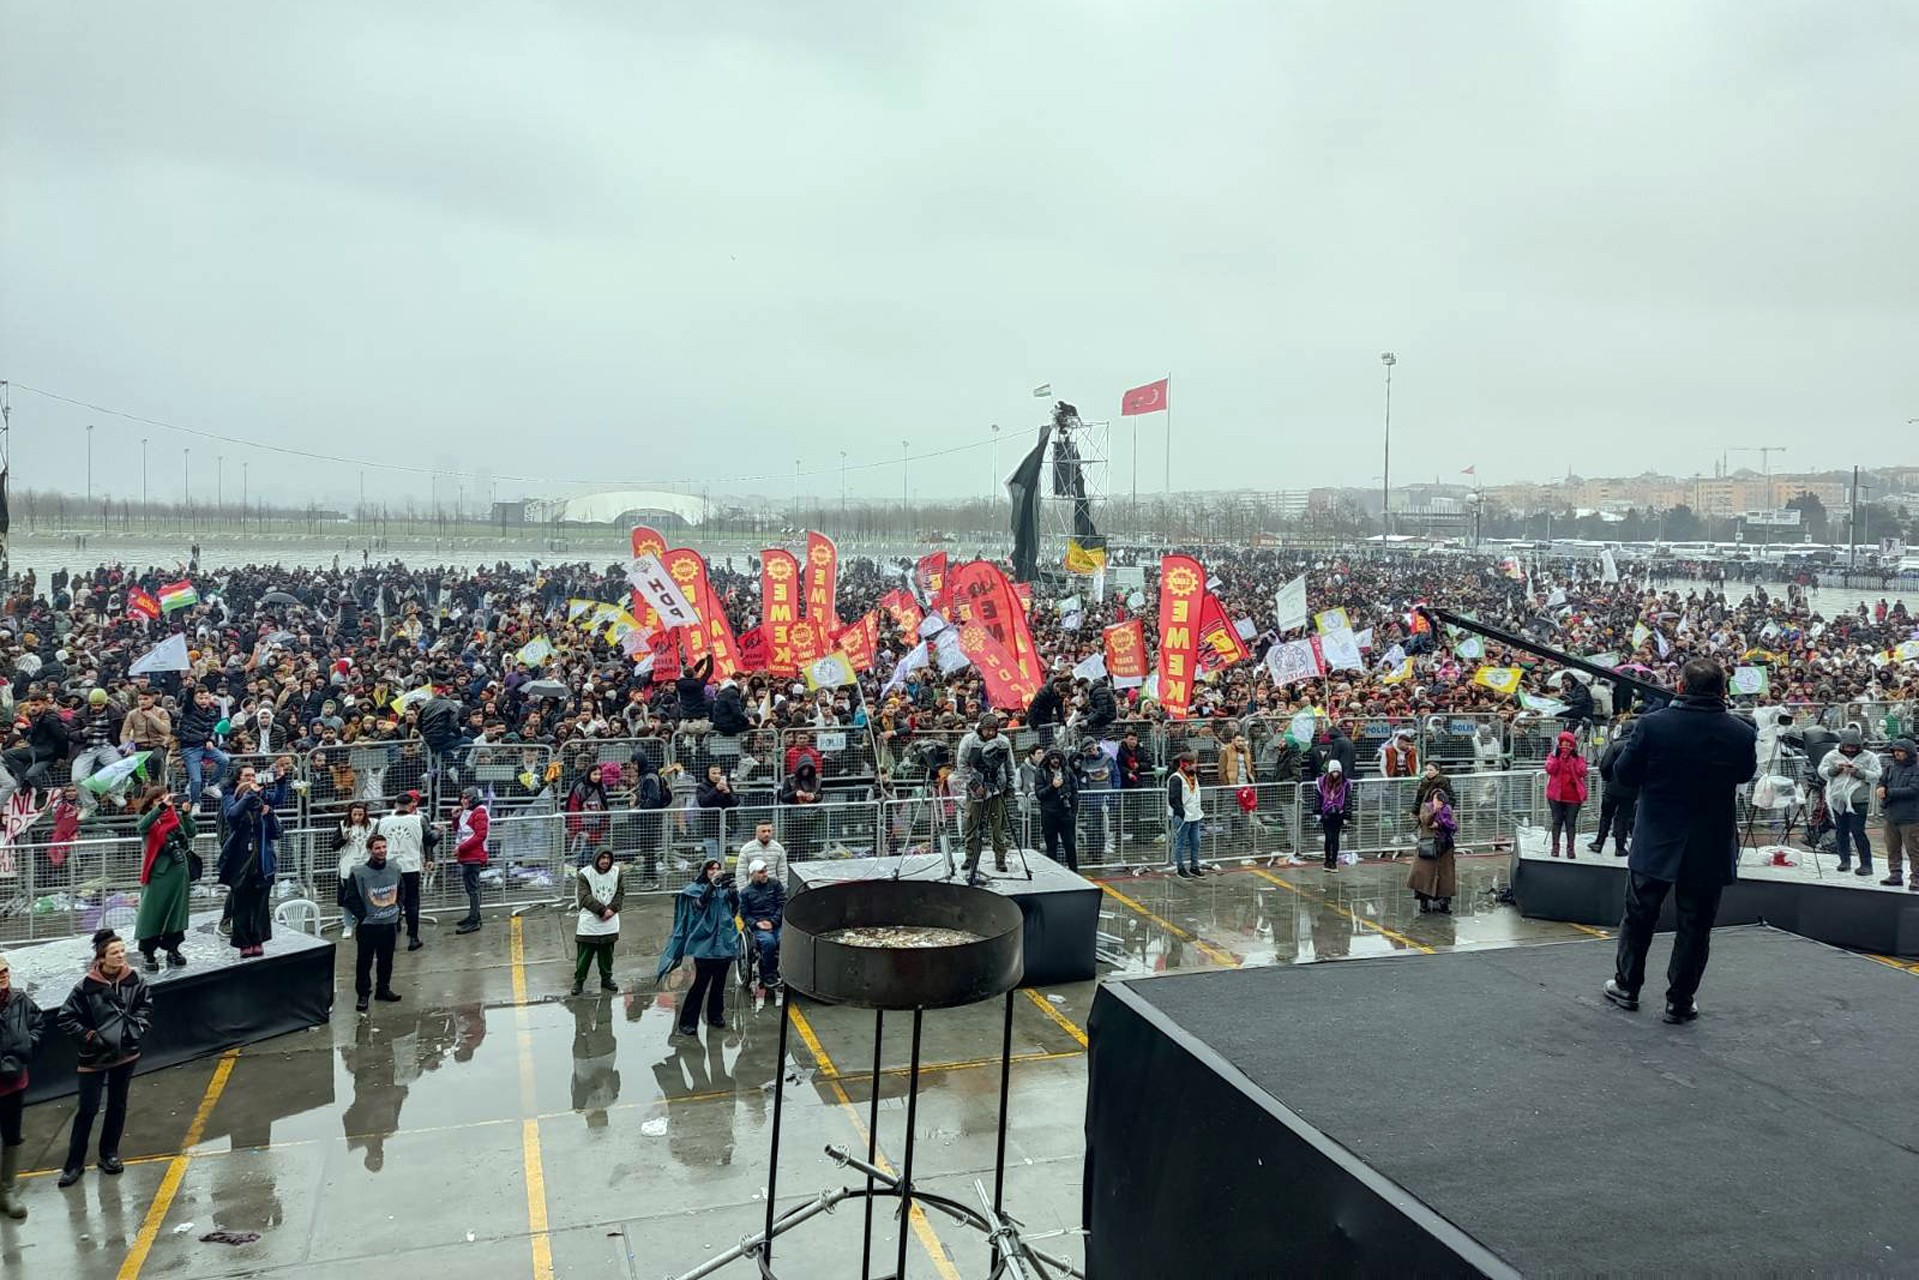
(302, 914)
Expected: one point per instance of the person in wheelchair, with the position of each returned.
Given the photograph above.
(763, 908)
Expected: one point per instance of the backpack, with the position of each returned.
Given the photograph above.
(652, 792)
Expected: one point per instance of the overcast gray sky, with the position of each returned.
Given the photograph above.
(640, 243)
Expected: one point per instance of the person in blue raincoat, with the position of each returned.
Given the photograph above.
(705, 932)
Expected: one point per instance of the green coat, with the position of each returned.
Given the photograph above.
(164, 900)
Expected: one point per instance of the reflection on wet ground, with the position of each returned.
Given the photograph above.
(541, 1136)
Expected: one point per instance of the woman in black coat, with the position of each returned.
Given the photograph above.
(106, 1017)
(19, 1034)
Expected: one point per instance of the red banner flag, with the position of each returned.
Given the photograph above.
(666, 655)
(861, 641)
(755, 652)
(141, 604)
(1150, 398)
(980, 593)
(1007, 687)
(1126, 650)
(779, 608)
(808, 641)
(714, 635)
(647, 542)
(930, 577)
(1219, 642)
(906, 611)
(1182, 592)
(822, 583)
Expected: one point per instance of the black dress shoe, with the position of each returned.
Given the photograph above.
(361, 1004)
(1676, 1013)
(471, 927)
(414, 944)
(389, 997)
(1599, 847)
(716, 1022)
(152, 963)
(1627, 1000)
(175, 959)
(607, 984)
(70, 1176)
(111, 1164)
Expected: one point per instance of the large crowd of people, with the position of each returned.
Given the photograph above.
(433, 666)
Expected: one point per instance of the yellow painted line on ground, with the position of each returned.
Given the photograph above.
(922, 1228)
(1359, 920)
(1218, 955)
(1586, 928)
(711, 1095)
(1894, 961)
(177, 1170)
(1046, 1007)
(536, 1219)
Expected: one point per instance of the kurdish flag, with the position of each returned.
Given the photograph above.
(178, 595)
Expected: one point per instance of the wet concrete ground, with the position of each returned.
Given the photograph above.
(489, 1126)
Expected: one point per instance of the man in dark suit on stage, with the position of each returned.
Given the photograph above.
(1686, 760)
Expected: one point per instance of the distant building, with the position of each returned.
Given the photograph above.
(620, 508)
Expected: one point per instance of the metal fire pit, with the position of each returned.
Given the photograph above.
(903, 978)
(912, 979)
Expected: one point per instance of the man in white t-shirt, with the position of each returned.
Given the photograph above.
(764, 847)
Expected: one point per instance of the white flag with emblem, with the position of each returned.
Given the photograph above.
(656, 586)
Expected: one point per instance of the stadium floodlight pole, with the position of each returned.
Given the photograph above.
(1386, 470)
(905, 520)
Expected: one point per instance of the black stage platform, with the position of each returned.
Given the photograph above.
(216, 1002)
(1061, 908)
(1487, 1112)
(1813, 899)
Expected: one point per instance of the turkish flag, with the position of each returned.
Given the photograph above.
(1150, 398)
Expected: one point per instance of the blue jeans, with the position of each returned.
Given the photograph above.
(767, 943)
(197, 758)
(1186, 836)
(1849, 828)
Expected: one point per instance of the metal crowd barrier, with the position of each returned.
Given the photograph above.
(64, 887)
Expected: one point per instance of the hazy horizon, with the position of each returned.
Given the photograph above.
(566, 248)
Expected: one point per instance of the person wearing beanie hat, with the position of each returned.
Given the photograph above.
(763, 909)
(106, 1016)
(984, 767)
(1333, 796)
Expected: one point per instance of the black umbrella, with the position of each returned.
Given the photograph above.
(278, 597)
(544, 689)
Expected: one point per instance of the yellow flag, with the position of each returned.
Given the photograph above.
(1080, 559)
(1498, 679)
(411, 697)
(1399, 674)
(830, 672)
